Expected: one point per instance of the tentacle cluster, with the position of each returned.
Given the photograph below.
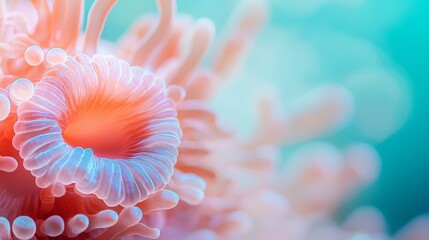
(101, 125)
(89, 137)
(94, 142)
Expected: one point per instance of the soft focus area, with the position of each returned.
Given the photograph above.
(214, 120)
(378, 49)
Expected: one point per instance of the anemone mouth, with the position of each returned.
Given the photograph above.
(102, 125)
(110, 127)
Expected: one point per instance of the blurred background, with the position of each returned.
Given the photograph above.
(379, 49)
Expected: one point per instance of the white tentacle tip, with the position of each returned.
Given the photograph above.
(56, 56)
(4, 107)
(24, 227)
(103, 219)
(77, 225)
(8, 164)
(21, 90)
(34, 55)
(53, 226)
(4, 229)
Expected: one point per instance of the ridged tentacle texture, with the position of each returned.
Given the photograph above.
(89, 144)
(101, 125)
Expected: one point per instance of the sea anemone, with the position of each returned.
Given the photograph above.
(105, 145)
(101, 125)
(75, 164)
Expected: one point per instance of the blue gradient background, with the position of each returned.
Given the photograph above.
(402, 190)
(400, 29)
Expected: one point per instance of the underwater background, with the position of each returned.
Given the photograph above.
(379, 49)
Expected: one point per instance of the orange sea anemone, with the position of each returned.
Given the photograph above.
(99, 124)
(126, 146)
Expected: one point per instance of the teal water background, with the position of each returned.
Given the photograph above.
(399, 29)
(402, 190)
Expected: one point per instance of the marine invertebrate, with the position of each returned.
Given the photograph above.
(94, 139)
(55, 209)
(66, 94)
(101, 125)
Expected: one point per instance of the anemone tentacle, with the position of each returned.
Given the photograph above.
(102, 125)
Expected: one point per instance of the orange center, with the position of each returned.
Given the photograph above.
(104, 126)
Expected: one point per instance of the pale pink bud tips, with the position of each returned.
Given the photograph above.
(4, 106)
(24, 227)
(56, 56)
(4, 229)
(8, 164)
(76, 225)
(53, 226)
(21, 90)
(34, 55)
